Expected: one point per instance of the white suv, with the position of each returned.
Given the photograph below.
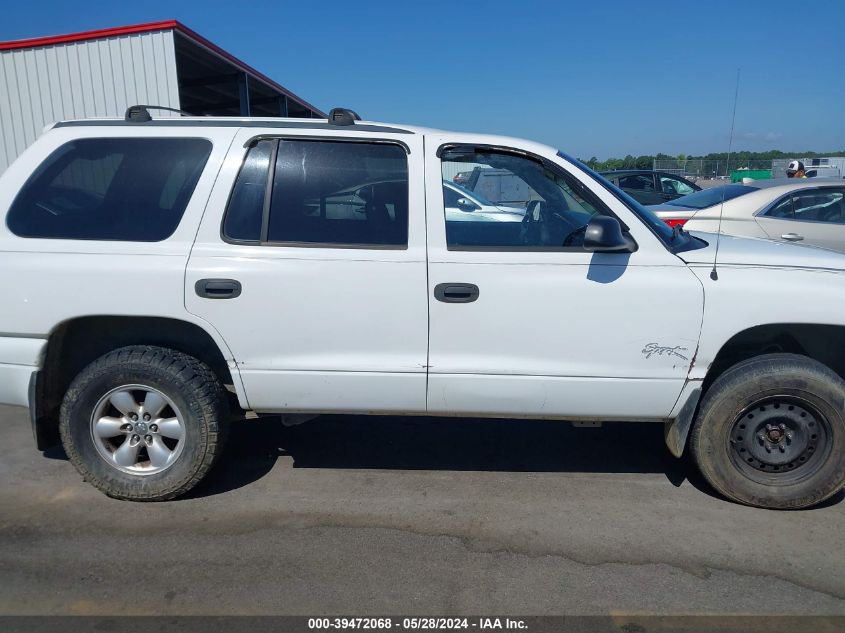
(160, 272)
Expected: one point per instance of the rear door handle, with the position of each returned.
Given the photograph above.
(218, 288)
(792, 237)
(456, 293)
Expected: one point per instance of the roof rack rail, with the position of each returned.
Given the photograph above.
(141, 114)
(343, 116)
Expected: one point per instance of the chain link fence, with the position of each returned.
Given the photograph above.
(703, 168)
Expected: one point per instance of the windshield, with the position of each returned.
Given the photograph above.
(657, 226)
(709, 197)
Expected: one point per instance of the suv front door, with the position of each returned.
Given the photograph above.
(523, 324)
(316, 276)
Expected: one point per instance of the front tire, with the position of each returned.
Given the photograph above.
(144, 423)
(771, 432)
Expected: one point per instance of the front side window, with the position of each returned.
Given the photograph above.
(822, 205)
(536, 207)
(128, 189)
(328, 193)
(782, 210)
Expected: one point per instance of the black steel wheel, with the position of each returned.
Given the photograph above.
(780, 440)
(770, 432)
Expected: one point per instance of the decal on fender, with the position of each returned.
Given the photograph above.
(653, 349)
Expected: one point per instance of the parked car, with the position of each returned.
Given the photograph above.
(162, 272)
(651, 187)
(463, 205)
(809, 211)
(824, 171)
(359, 201)
(497, 185)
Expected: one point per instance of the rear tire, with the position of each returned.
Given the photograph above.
(144, 423)
(770, 432)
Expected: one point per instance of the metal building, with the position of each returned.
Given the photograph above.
(101, 73)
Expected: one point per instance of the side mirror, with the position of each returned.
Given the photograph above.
(465, 204)
(365, 193)
(603, 234)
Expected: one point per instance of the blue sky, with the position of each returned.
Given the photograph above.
(601, 79)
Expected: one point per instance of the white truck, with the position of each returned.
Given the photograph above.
(161, 273)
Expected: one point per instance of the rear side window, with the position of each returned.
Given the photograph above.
(127, 189)
(782, 209)
(327, 193)
(246, 205)
(340, 193)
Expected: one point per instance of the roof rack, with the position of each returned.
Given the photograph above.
(141, 114)
(343, 116)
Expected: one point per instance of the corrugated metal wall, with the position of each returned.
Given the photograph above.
(39, 86)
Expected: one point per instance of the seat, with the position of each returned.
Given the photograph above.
(381, 226)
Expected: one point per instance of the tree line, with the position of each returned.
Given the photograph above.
(737, 158)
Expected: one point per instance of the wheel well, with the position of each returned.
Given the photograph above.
(76, 343)
(824, 343)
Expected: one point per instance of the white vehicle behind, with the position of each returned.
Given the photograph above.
(808, 211)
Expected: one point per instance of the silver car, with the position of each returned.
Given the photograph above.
(463, 205)
(805, 210)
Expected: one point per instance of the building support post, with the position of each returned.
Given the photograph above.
(243, 91)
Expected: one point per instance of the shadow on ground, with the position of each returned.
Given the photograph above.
(458, 444)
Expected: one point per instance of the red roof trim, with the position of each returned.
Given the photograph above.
(146, 28)
(89, 35)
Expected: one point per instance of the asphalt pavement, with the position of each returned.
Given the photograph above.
(386, 515)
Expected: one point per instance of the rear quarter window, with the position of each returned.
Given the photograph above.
(127, 189)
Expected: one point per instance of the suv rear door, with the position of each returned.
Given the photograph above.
(316, 277)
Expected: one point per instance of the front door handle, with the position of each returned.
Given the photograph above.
(792, 237)
(456, 293)
(218, 288)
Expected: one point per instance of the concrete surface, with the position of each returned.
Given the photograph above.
(384, 515)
